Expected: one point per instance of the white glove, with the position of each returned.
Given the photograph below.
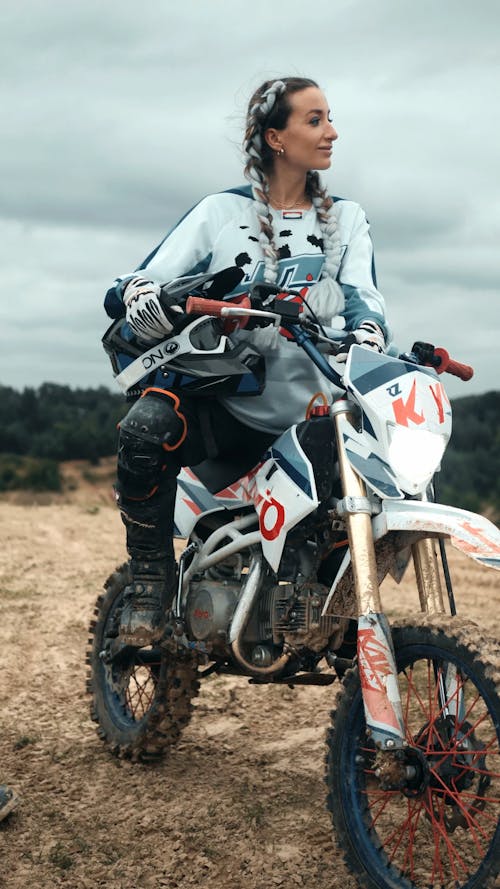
(367, 334)
(144, 312)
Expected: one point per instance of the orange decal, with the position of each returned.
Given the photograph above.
(373, 660)
(405, 410)
(489, 544)
(374, 667)
(227, 494)
(437, 395)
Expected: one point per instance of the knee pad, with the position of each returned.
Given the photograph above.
(156, 419)
(153, 426)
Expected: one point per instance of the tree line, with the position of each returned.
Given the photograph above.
(40, 428)
(470, 475)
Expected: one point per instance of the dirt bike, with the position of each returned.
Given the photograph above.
(280, 581)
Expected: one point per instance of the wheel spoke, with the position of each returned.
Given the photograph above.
(409, 860)
(441, 833)
(140, 692)
(455, 796)
(385, 803)
(400, 833)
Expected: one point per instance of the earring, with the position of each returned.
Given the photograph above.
(280, 152)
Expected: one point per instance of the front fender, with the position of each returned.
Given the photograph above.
(473, 534)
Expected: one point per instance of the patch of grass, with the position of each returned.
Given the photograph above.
(60, 857)
(81, 845)
(255, 813)
(110, 855)
(24, 741)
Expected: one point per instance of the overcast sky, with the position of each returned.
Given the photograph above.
(116, 117)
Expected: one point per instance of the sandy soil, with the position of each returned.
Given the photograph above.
(240, 802)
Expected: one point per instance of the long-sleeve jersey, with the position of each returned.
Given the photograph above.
(222, 230)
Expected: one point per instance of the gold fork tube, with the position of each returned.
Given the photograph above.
(359, 528)
(430, 591)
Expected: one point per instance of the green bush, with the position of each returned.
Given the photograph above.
(60, 423)
(29, 473)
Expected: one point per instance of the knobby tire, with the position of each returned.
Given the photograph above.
(142, 700)
(445, 834)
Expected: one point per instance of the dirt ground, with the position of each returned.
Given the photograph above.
(240, 802)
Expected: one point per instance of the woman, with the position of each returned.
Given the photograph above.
(284, 228)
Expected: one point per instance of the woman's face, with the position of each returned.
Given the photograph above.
(309, 134)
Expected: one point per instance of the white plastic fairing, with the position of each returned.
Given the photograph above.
(473, 534)
(405, 422)
(282, 489)
(194, 500)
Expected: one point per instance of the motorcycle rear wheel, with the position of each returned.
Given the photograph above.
(444, 831)
(140, 698)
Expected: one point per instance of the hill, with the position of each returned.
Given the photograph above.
(41, 429)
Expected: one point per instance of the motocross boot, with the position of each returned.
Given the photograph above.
(8, 801)
(146, 600)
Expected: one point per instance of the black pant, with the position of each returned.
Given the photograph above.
(162, 432)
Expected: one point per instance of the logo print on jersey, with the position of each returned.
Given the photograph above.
(302, 271)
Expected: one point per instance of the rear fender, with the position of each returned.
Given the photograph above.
(473, 534)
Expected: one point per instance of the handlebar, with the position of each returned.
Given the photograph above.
(239, 308)
(439, 359)
(198, 305)
(422, 353)
(450, 366)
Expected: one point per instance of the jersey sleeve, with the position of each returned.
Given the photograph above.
(186, 250)
(358, 280)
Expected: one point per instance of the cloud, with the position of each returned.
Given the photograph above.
(115, 120)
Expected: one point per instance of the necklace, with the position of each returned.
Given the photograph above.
(297, 205)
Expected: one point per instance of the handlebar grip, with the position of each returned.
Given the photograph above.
(197, 305)
(450, 366)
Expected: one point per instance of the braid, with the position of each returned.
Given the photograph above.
(265, 110)
(259, 111)
(323, 204)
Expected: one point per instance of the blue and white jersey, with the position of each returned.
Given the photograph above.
(222, 230)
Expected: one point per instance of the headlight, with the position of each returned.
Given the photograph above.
(414, 455)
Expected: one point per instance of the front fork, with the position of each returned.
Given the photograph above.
(376, 659)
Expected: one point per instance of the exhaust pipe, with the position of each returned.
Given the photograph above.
(240, 620)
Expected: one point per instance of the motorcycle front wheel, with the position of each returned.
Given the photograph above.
(440, 830)
(140, 697)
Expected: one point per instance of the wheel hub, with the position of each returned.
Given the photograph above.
(405, 770)
(449, 755)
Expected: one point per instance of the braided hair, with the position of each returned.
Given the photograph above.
(270, 107)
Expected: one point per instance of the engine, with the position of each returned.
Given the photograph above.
(209, 609)
(296, 616)
(284, 612)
